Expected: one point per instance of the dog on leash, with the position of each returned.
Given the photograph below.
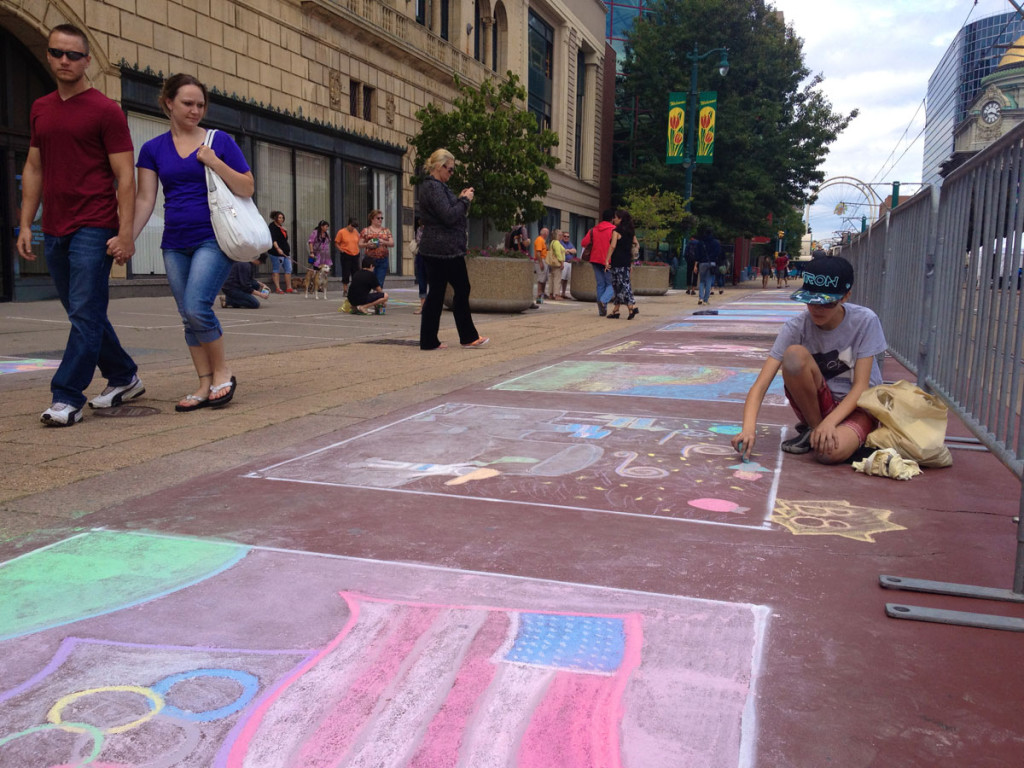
(317, 280)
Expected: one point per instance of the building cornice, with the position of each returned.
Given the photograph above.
(155, 79)
(381, 26)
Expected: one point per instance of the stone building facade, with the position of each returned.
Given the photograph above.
(321, 95)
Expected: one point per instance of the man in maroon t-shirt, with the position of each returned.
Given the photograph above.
(81, 147)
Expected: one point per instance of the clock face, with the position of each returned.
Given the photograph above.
(990, 111)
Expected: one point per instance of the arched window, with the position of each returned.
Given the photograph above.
(478, 40)
(499, 39)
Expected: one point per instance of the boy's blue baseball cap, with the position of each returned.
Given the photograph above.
(826, 279)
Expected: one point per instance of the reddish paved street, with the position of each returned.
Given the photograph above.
(557, 562)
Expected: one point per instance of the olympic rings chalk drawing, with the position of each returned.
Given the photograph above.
(250, 687)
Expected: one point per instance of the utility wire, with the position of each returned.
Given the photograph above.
(906, 130)
(883, 169)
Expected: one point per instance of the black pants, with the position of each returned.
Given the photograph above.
(691, 276)
(440, 274)
(349, 266)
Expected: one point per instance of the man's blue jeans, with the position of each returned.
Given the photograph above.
(708, 270)
(80, 268)
(196, 276)
(605, 289)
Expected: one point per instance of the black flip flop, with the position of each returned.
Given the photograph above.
(199, 402)
(220, 402)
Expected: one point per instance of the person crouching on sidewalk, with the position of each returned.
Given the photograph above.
(827, 356)
(241, 289)
(365, 293)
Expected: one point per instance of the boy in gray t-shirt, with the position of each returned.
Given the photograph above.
(827, 357)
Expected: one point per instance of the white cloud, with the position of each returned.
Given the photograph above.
(877, 56)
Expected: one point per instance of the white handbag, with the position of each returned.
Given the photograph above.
(241, 231)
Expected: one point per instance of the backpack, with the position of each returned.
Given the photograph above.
(696, 251)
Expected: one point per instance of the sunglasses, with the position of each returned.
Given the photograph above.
(57, 53)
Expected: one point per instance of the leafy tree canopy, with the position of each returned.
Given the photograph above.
(657, 214)
(497, 147)
(774, 124)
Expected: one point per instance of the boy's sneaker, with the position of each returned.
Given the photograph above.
(61, 415)
(799, 444)
(112, 396)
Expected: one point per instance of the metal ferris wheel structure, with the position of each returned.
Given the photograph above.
(842, 205)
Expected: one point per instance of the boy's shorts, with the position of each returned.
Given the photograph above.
(860, 421)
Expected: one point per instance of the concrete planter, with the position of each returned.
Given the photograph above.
(647, 280)
(498, 285)
(582, 285)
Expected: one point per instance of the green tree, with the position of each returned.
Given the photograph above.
(656, 214)
(774, 124)
(498, 150)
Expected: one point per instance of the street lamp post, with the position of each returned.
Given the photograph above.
(691, 112)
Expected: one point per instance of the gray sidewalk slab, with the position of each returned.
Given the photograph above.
(539, 553)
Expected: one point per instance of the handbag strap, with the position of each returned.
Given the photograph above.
(211, 184)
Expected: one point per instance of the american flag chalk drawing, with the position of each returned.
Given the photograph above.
(428, 686)
(264, 658)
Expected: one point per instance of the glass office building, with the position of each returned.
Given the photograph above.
(956, 81)
(618, 22)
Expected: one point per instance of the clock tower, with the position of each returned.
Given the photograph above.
(998, 108)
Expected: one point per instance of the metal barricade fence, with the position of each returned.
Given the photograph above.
(943, 272)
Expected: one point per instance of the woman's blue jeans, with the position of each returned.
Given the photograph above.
(80, 268)
(196, 276)
(280, 265)
(605, 289)
(380, 270)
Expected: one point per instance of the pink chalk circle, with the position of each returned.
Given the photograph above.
(714, 505)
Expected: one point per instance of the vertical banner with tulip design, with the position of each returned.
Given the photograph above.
(707, 114)
(676, 147)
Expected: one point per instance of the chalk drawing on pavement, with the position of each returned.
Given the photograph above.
(326, 660)
(670, 349)
(108, 578)
(833, 518)
(673, 381)
(732, 328)
(572, 460)
(25, 365)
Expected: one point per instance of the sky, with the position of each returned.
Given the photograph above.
(876, 56)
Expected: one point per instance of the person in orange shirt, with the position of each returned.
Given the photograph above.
(540, 262)
(347, 241)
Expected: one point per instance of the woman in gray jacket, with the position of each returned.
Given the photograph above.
(443, 246)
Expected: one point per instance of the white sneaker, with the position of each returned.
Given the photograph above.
(112, 396)
(61, 415)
